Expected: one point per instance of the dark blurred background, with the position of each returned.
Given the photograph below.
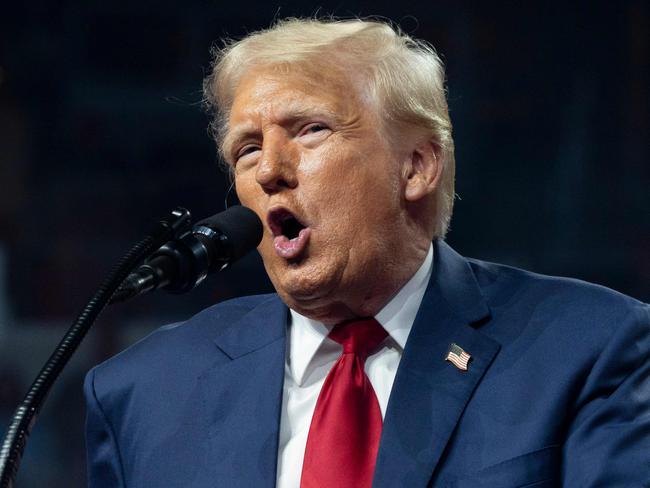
(102, 132)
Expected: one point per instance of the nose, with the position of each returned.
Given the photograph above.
(276, 169)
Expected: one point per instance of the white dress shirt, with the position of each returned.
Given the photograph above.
(311, 355)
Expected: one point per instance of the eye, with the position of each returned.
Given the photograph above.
(315, 128)
(246, 150)
(314, 133)
(245, 158)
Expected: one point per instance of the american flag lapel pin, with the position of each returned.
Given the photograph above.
(458, 357)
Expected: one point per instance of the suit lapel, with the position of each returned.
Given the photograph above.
(429, 393)
(243, 397)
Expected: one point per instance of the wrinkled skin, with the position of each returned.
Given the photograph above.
(313, 143)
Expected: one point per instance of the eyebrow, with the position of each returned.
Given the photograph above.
(239, 132)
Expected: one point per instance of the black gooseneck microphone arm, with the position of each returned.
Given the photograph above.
(27, 412)
(179, 260)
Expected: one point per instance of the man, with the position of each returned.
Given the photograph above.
(383, 358)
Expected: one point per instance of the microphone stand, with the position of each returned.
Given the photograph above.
(27, 412)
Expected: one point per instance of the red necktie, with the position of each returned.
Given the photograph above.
(344, 434)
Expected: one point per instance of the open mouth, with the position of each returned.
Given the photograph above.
(284, 223)
(290, 235)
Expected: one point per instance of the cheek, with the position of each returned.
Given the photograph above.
(355, 181)
(319, 169)
(333, 171)
(246, 191)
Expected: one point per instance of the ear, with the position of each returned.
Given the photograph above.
(423, 170)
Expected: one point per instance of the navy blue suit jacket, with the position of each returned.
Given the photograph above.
(557, 392)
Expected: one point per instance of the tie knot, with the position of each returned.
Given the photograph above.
(359, 337)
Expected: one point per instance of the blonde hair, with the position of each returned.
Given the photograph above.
(405, 75)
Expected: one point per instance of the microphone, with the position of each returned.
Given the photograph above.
(183, 263)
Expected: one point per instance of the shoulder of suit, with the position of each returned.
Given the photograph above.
(574, 306)
(186, 345)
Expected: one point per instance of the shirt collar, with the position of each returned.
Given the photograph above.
(306, 335)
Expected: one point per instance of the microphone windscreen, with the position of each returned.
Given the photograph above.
(241, 226)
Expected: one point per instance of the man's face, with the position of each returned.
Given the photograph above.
(311, 159)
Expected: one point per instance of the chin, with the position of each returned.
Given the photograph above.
(304, 286)
(314, 281)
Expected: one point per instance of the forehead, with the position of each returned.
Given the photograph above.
(270, 92)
